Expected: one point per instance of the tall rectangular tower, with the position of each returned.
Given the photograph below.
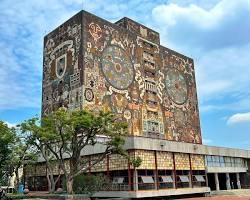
(94, 64)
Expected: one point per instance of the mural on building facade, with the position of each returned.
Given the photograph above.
(125, 71)
(62, 85)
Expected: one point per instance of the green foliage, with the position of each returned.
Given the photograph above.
(136, 162)
(7, 139)
(74, 131)
(88, 184)
(68, 133)
(4, 179)
(15, 151)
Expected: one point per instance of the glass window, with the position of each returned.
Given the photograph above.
(222, 161)
(184, 179)
(216, 158)
(147, 179)
(167, 179)
(228, 162)
(209, 158)
(199, 178)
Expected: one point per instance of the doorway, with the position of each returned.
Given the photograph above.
(222, 181)
(211, 181)
(233, 181)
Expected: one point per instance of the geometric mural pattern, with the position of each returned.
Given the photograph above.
(165, 160)
(118, 162)
(197, 162)
(182, 161)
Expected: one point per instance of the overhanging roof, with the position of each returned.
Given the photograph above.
(182, 147)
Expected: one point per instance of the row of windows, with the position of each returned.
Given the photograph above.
(221, 161)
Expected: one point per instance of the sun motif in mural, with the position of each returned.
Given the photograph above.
(117, 67)
(176, 86)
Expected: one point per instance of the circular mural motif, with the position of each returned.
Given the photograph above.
(89, 96)
(176, 86)
(117, 67)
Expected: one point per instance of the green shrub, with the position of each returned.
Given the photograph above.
(88, 183)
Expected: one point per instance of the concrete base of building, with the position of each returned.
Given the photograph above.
(152, 193)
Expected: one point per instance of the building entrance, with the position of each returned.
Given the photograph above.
(222, 181)
(233, 181)
(211, 181)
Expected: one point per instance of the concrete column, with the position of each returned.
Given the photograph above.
(190, 179)
(217, 184)
(156, 181)
(174, 179)
(156, 173)
(228, 181)
(238, 180)
(206, 180)
(135, 180)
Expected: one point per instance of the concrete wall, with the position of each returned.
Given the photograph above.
(225, 169)
(171, 146)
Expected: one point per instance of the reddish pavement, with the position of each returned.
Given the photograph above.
(221, 198)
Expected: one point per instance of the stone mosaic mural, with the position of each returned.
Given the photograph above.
(62, 82)
(94, 64)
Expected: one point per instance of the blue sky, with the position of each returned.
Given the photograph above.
(215, 33)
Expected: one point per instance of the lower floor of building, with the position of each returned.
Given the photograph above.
(133, 180)
(143, 183)
(160, 173)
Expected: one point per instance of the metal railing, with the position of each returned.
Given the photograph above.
(180, 184)
(116, 187)
(164, 185)
(146, 186)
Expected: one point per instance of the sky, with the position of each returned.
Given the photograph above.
(215, 33)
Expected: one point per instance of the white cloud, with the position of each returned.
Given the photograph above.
(203, 28)
(206, 4)
(222, 72)
(215, 34)
(23, 25)
(11, 125)
(206, 141)
(239, 118)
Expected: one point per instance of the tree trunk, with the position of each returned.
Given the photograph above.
(17, 180)
(69, 184)
(53, 184)
(49, 183)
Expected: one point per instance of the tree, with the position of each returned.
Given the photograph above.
(19, 153)
(22, 154)
(37, 140)
(7, 138)
(67, 134)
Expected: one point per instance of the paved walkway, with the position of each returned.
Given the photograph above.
(221, 198)
(243, 194)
